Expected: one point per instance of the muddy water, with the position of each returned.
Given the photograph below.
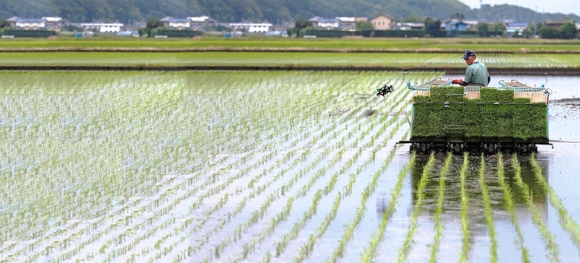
(561, 169)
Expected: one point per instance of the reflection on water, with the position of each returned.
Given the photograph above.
(452, 199)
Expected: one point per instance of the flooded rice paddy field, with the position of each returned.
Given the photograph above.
(267, 167)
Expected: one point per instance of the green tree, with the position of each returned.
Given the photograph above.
(364, 25)
(528, 32)
(498, 29)
(413, 18)
(549, 32)
(125, 11)
(153, 23)
(301, 25)
(457, 16)
(482, 29)
(432, 26)
(4, 23)
(568, 31)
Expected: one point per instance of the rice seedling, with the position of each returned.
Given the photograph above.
(547, 236)
(370, 251)
(509, 205)
(563, 216)
(439, 227)
(464, 208)
(406, 248)
(487, 204)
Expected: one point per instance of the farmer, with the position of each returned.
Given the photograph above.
(476, 73)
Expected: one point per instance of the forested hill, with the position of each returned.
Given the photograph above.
(128, 11)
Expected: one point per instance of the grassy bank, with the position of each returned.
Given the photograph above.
(284, 59)
(377, 44)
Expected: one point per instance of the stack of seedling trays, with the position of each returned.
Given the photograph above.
(496, 116)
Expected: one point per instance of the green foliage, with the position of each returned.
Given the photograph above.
(302, 23)
(432, 26)
(413, 18)
(482, 29)
(497, 29)
(4, 23)
(568, 31)
(522, 100)
(364, 25)
(393, 33)
(153, 23)
(443, 94)
(495, 95)
(176, 33)
(483, 118)
(28, 33)
(549, 32)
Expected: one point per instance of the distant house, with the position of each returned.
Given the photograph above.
(383, 22)
(349, 23)
(54, 23)
(328, 23)
(314, 21)
(179, 23)
(252, 27)
(557, 24)
(512, 27)
(198, 21)
(29, 23)
(102, 27)
(454, 25)
(165, 21)
(191, 23)
(409, 26)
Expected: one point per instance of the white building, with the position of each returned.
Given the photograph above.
(52, 19)
(180, 24)
(32, 23)
(198, 19)
(252, 27)
(103, 27)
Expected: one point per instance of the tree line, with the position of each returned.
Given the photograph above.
(273, 11)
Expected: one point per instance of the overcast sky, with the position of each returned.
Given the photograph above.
(553, 6)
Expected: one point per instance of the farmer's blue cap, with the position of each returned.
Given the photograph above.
(468, 54)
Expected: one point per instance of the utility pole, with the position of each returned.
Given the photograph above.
(536, 22)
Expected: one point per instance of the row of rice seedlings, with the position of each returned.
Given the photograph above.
(487, 204)
(406, 248)
(548, 237)
(316, 160)
(509, 206)
(281, 245)
(464, 208)
(303, 191)
(349, 229)
(439, 227)
(255, 216)
(214, 209)
(326, 191)
(306, 249)
(260, 189)
(565, 219)
(371, 249)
